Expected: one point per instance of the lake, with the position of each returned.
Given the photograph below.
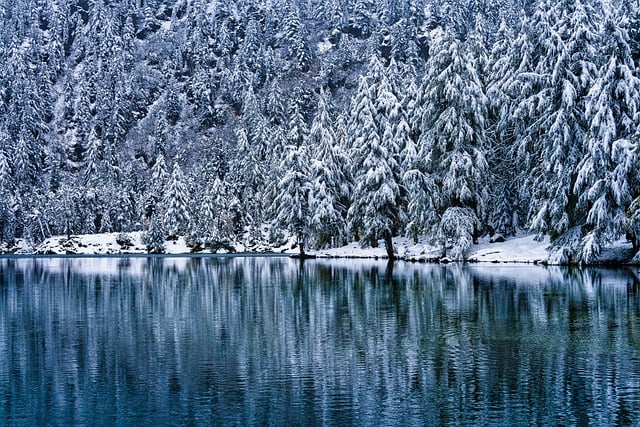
(271, 341)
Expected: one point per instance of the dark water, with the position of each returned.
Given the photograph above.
(264, 341)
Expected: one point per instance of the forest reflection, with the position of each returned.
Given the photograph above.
(242, 340)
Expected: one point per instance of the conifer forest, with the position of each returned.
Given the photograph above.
(329, 120)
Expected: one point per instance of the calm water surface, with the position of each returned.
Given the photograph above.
(268, 341)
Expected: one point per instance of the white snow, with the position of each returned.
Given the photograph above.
(521, 249)
(324, 47)
(353, 250)
(104, 243)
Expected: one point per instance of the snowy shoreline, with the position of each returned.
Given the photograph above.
(521, 249)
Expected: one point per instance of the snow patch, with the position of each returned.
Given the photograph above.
(520, 249)
(104, 243)
(324, 47)
(524, 249)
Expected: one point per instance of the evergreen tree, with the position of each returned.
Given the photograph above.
(7, 202)
(292, 202)
(93, 155)
(221, 204)
(154, 238)
(610, 166)
(341, 152)
(256, 125)
(376, 211)
(453, 137)
(535, 54)
(65, 206)
(153, 199)
(295, 33)
(213, 223)
(247, 179)
(176, 202)
(561, 127)
(327, 179)
(502, 93)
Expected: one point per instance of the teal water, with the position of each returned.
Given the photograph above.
(268, 341)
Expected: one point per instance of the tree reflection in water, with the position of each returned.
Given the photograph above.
(238, 340)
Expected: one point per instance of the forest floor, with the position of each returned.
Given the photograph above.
(519, 249)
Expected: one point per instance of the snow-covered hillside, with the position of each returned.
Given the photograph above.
(333, 121)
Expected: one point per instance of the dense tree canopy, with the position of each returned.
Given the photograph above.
(336, 120)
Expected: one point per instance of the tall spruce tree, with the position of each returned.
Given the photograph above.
(453, 137)
(504, 213)
(327, 180)
(176, 201)
(610, 167)
(376, 210)
(7, 198)
(292, 201)
(535, 49)
(562, 127)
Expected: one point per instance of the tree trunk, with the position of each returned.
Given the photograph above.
(301, 246)
(388, 243)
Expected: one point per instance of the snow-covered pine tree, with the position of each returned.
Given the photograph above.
(395, 94)
(64, 207)
(154, 237)
(610, 166)
(342, 153)
(412, 165)
(247, 177)
(136, 182)
(204, 231)
(291, 204)
(7, 202)
(176, 201)
(211, 224)
(249, 51)
(256, 125)
(93, 157)
(376, 210)
(327, 178)
(222, 204)
(159, 174)
(275, 104)
(501, 93)
(154, 196)
(453, 138)
(422, 192)
(633, 28)
(533, 54)
(360, 111)
(561, 126)
(298, 52)
(23, 164)
(26, 94)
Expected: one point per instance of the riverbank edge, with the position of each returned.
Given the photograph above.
(522, 249)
